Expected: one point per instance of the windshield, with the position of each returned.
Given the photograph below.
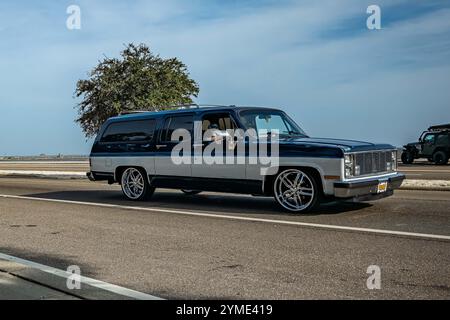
(268, 121)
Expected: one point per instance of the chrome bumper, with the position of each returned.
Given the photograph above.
(367, 188)
(100, 176)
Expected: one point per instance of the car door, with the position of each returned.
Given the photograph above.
(428, 144)
(165, 165)
(217, 122)
(442, 140)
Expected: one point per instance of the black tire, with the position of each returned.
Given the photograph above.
(440, 158)
(136, 193)
(407, 157)
(296, 202)
(190, 192)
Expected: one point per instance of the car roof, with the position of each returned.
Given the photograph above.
(442, 127)
(157, 114)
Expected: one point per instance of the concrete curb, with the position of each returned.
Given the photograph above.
(43, 174)
(47, 278)
(56, 283)
(17, 288)
(429, 185)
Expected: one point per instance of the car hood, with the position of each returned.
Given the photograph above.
(412, 144)
(346, 145)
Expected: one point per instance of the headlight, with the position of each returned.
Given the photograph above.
(391, 164)
(348, 165)
(348, 158)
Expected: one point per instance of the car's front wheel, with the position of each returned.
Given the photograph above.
(296, 190)
(135, 185)
(407, 157)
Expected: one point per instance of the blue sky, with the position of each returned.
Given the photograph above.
(314, 59)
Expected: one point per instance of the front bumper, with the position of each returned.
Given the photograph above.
(367, 189)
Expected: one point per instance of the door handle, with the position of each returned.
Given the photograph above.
(161, 146)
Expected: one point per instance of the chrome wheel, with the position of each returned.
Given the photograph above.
(294, 190)
(133, 184)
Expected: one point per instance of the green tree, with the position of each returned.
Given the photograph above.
(139, 80)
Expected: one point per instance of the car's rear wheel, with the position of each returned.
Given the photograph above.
(135, 185)
(190, 192)
(296, 190)
(407, 157)
(440, 158)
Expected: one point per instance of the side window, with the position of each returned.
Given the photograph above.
(129, 131)
(442, 139)
(219, 121)
(173, 123)
(429, 138)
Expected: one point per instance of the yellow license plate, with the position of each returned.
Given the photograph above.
(382, 187)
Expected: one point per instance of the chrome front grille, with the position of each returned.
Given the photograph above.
(370, 163)
(373, 162)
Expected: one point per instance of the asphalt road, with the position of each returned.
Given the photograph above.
(425, 170)
(219, 255)
(418, 170)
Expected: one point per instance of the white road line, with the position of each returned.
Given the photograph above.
(89, 281)
(233, 217)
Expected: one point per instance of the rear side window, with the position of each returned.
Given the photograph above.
(129, 131)
(173, 123)
(443, 138)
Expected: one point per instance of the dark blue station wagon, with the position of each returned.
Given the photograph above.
(137, 151)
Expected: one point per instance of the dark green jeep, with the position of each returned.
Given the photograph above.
(434, 145)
